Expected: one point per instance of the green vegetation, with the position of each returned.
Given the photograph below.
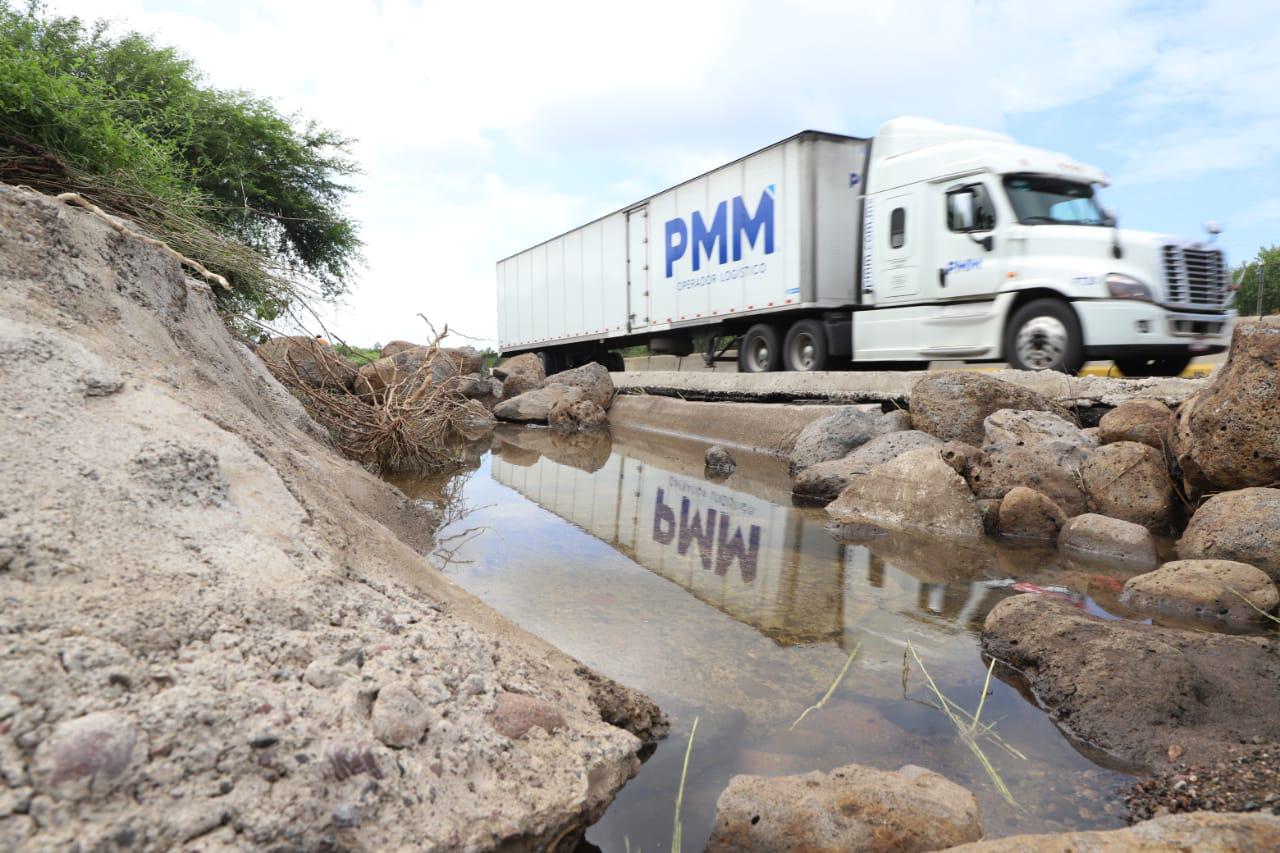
(222, 176)
(1247, 277)
(359, 355)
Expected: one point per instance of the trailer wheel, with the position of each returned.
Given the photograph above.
(552, 361)
(806, 346)
(760, 351)
(1044, 335)
(1171, 365)
(614, 362)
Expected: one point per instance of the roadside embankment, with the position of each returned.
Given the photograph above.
(211, 632)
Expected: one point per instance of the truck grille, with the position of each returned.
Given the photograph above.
(1195, 276)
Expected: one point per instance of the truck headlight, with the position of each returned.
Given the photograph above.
(1127, 287)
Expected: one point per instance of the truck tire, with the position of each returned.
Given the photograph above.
(553, 361)
(1169, 365)
(760, 351)
(805, 348)
(1044, 335)
(614, 362)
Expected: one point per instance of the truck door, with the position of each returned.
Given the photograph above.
(964, 213)
(638, 267)
(897, 249)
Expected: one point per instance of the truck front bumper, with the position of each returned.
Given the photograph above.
(1122, 327)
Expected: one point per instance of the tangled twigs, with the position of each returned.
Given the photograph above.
(414, 423)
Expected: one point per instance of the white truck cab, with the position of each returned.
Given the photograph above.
(926, 242)
(980, 248)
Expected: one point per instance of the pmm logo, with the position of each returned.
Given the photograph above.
(714, 239)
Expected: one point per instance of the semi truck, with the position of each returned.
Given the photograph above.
(925, 242)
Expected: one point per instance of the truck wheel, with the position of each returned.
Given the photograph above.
(759, 351)
(1171, 365)
(614, 362)
(1044, 335)
(806, 346)
(552, 361)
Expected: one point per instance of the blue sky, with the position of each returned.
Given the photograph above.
(484, 128)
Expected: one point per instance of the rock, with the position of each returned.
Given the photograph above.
(1010, 426)
(1203, 589)
(397, 346)
(405, 369)
(474, 386)
(1133, 689)
(1243, 525)
(1144, 421)
(962, 457)
(346, 816)
(825, 480)
(399, 718)
(475, 420)
(1211, 832)
(719, 460)
(1027, 514)
(1228, 435)
(520, 374)
(531, 406)
(574, 412)
(1109, 539)
(898, 420)
(317, 364)
(593, 379)
(1129, 481)
(952, 404)
(916, 491)
(89, 757)
(516, 713)
(849, 809)
(1050, 467)
(836, 435)
(989, 508)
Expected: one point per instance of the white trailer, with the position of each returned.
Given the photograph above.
(929, 242)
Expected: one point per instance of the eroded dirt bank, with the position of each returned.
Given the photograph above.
(209, 633)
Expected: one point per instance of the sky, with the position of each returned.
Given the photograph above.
(483, 128)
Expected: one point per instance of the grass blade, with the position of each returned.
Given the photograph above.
(684, 772)
(832, 689)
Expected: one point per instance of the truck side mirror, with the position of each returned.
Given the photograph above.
(962, 203)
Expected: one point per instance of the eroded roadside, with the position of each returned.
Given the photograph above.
(210, 634)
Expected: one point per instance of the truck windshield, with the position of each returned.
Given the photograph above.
(1044, 200)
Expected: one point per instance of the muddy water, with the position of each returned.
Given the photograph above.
(728, 605)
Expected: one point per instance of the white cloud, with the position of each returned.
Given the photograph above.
(483, 128)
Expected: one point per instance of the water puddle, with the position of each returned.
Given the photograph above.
(725, 603)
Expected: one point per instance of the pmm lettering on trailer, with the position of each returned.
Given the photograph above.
(714, 239)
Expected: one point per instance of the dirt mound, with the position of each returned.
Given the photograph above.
(202, 604)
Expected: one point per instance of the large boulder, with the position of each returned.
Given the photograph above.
(1228, 435)
(408, 369)
(1129, 481)
(1111, 540)
(531, 406)
(849, 809)
(316, 362)
(1145, 421)
(952, 404)
(1134, 690)
(916, 491)
(1029, 515)
(1207, 832)
(397, 346)
(1051, 467)
(836, 435)
(1242, 525)
(520, 373)
(1010, 426)
(1203, 589)
(593, 379)
(825, 480)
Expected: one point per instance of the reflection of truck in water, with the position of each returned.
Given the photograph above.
(762, 562)
(928, 242)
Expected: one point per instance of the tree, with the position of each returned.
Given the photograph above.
(134, 126)
(1246, 301)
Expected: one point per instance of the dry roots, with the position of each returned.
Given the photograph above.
(411, 425)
